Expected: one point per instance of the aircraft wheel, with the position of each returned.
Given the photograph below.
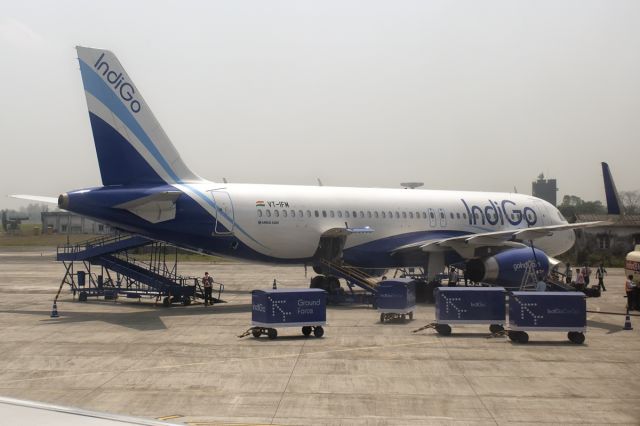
(272, 333)
(496, 328)
(256, 332)
(576, 337)
(519, 336)
(318, 332)
(306, 330)
(186, 301)
(82, 297)
(317, 282)
(166, 302)
(410, 316)
(381, 317)
(404, 317)
(443, 329)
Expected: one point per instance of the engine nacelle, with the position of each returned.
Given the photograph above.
(507, 268)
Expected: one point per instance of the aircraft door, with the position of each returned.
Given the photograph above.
(443, 218)
(432, 218)
(224, 213)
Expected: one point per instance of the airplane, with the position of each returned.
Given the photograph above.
(149, 190)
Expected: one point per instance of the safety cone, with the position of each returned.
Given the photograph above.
(627, 322)
(54, 311)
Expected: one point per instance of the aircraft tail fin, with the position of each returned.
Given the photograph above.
(613, 199)
(131, 146)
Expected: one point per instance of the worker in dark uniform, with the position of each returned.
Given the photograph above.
(600, 273)
(207, 283)
(629, 287)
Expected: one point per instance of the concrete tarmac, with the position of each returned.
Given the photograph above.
(186, 363)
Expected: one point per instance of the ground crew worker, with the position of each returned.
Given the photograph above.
(207, 283)
(629, 285)
(600, 273)
(568, 274)
(453, 277)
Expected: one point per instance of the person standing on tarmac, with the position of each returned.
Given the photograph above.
(600, 273)
(629, 286)
(568, 274)
(586, 272)
(207, 283)
(541, 285)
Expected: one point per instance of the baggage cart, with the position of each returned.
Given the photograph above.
(292, 307)
(470, 305)
(396, 299)
(547, 311)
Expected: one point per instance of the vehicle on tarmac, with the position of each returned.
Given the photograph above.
(148, 190)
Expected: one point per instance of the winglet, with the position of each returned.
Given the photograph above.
(613, 200)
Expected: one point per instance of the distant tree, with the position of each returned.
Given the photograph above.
(33, 210)
(631, 201)
(573, 205)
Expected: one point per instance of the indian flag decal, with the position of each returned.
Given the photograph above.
(259, 203)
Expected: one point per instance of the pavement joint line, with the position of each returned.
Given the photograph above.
(295, 364)
(161, 367)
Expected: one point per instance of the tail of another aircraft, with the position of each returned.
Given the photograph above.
(132, 148)
(613, 200)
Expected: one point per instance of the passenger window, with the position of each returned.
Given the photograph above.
(293, 213)
(431, 215)
(346, 213)
(339, 213)
(276, 213)
(268, 213)
(404, 215)
(316, 213)
(410, 215)
(397, 215)
(308, 213)
(332, 213)
(369, 214)
(355, 214)
(259, 213)
(375, 214)
(300, 213)
(361, 214)
(464, 215)
(284, 213)
(424, 215)
(451, 215)
(441, 215)
(390, 215)
(384, 215)
(457, 215)
(324, 213)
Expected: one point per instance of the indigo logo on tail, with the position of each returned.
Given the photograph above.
(119, 84)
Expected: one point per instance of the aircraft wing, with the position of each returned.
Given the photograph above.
(38, 198)
(466, 244)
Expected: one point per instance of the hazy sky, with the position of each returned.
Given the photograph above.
(474, 95)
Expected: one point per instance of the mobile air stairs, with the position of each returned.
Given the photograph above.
(354, 277)
(122, 273)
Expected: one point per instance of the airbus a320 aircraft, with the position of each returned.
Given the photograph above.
(148, 190)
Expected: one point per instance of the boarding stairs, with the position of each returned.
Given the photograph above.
(353, 276)
(122, 273)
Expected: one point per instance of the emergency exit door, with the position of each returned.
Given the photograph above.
(224, 213)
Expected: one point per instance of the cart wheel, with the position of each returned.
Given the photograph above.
(272, 333)
(318, 332)
(381, 317)
(410, 316)
(256, 332)
(82, 297)
(496, 328)
(519, 336)
(186, 301)
(166, 302)
(306, 330)
(576, 337)
(443, 329)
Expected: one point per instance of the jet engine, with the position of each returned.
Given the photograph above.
(508, 268)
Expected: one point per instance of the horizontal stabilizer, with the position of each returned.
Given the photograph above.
(38, 198)
(154, 208)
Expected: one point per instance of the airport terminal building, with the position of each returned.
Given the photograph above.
(70, 223)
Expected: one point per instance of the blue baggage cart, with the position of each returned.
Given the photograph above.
(470, 305)
(547, 311)
(292, 307)
(396, 299)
